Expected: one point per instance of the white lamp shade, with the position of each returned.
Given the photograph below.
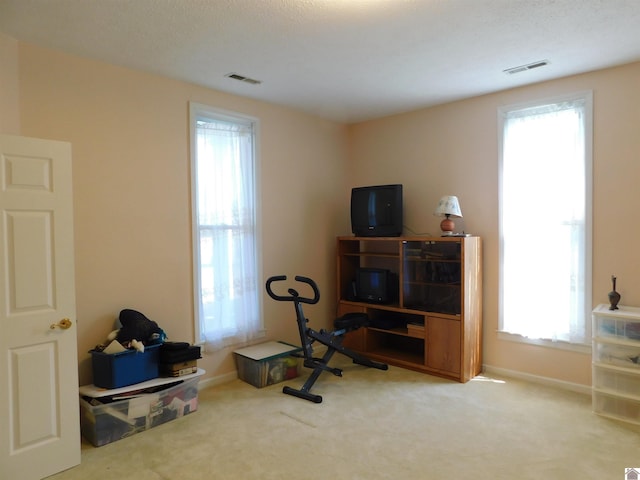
(448, 205)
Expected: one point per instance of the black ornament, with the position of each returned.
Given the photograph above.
(614, 297)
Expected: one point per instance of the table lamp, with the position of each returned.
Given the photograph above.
(448, 206)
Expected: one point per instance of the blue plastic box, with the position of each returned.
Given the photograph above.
(115, 370)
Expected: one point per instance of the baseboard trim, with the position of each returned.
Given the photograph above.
(218, 380)
(487, 370)
(553, 382)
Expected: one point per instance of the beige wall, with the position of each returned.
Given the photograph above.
(453, 149)
(131, 179)
(9, 109)
(129, 132)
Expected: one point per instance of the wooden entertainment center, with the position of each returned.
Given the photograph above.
(434, 322)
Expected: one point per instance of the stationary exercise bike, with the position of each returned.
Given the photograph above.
(333, 340)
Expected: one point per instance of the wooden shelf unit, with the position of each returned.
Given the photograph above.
(439, 287)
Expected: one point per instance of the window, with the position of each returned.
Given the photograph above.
(224, 203)
(545, 220)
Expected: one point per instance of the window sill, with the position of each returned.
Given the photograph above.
(559, 345)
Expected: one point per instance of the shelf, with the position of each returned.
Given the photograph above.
(618, 368)
(412, 310)
(631, 314)
(390, 307)
(617, 341)
(372, 254)
(432, 313)
(432, 260)
(404, 332)
(615, 393)
(398, 356)
(618, 417)
(434, 284)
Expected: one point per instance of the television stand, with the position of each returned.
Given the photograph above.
(435, 325)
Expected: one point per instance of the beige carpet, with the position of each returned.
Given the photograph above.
(374, 424)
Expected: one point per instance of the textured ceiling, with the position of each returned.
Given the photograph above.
(345, 60)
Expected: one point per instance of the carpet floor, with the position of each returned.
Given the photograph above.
(373, 424)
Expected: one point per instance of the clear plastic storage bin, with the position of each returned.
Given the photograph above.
(110, 415)
(267, 363)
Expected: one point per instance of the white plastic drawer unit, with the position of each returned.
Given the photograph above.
(627, 356)
(616, 336)
(622, 324)
(617, 407)
(616, 362)
(616, 380)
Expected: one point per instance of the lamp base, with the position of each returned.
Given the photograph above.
(447, 226)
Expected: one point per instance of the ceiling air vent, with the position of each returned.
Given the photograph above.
(524, 68)
(242, 78)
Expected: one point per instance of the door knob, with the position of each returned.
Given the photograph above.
(63, 324)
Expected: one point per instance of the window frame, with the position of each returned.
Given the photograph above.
(587, 98)
(197, 111)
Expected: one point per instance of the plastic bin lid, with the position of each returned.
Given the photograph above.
(263, 351)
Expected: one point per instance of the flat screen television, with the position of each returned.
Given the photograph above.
(376, 211)
(376, 285)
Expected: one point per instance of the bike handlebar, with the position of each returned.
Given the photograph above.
(294, 296)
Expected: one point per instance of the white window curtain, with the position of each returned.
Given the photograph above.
(228, 285)
(545, 222)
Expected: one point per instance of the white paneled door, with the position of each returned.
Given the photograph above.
(39, 413)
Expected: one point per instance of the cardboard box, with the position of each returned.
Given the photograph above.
(267, 363)
(118, 414)
(115, 370)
